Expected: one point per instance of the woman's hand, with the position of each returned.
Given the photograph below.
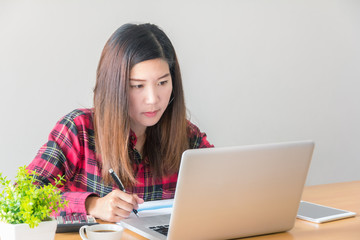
(114, 207)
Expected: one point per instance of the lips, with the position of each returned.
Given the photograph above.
(151, 114)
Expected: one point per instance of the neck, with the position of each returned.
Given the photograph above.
(140, 142)
(139, 131)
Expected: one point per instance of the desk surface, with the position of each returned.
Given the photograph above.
(339, 195)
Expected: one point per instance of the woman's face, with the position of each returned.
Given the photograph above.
(150, 91)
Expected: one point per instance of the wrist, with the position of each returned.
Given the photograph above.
(90, 205)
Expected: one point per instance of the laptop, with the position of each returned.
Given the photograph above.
(233, 192)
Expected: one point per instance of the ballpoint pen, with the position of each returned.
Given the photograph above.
(120, 185)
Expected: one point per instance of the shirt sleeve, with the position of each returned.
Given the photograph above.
(61, 156)
(197, 139)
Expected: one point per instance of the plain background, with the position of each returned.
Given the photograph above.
(254, 71)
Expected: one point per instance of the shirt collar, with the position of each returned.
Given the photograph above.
(132, 138)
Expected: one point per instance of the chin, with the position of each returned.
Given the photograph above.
(151, 123)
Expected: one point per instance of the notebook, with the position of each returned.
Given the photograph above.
(233, 192)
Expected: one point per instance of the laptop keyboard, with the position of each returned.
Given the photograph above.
(163, 229)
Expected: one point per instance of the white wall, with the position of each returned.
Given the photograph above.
(254, 71)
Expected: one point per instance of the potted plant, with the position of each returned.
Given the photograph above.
(25, 207)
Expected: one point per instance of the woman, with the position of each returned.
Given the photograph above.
(138, 127)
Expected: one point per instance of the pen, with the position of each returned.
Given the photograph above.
(120, 185)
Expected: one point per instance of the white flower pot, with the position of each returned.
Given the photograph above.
(45, 231)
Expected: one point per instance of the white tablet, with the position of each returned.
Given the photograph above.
(318, 213)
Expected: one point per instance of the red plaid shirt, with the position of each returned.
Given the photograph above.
(70, 151)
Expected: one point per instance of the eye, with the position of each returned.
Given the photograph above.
(163, 83)
(136, 86)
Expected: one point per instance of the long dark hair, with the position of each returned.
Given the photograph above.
(166, 140)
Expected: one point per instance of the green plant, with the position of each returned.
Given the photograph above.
(26, 202)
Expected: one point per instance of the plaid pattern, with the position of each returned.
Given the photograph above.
(70, 151)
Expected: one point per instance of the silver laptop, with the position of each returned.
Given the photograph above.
(233, 192)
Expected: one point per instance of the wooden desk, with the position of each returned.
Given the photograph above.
(339, 195)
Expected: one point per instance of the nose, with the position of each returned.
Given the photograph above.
(152, 96)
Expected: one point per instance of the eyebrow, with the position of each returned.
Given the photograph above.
(163, 76)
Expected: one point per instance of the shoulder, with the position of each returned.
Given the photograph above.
(78, 114)
(192, 128)
(78, 118)
(197, 139)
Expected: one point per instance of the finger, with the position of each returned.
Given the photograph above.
(118, 216)
(132, 199)
(117, 203)
(117, 212)
(122, 213)
(138, 200)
